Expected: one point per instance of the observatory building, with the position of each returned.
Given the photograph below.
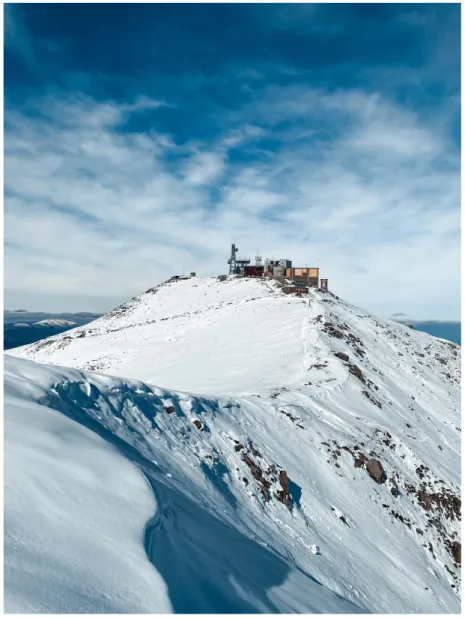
(295, 279)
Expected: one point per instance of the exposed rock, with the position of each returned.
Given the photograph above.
(357, 372)
(394, 488)
(332, 331)
(360, 461)
(376, 471)
(238, 447)
(284, 481)
(169, 409)
(342, 356)
(198, 424)
(255, 451)
(456, 551)
(284, 496)
(371, 398)
(402, 519)
(449, 504)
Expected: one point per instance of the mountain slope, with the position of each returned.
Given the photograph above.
(78, 516)
(314, 424)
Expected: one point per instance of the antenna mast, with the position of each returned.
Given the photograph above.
(232, 260)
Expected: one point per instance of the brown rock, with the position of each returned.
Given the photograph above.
(457, 552)
(169, 409)
(342, 356)
(264, 492)
(284, 481)
(198, 424)
(376, 471)
(360, 461)
(394, 488)
(357, 372)
(284, 496)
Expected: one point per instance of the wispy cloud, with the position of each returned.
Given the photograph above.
(311, 139)
(107, 212)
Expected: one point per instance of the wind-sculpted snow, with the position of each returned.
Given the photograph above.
(313, 464)
(204, 561)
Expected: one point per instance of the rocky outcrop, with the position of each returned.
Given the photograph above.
(283, 495)
(456, 551)
(376, 471)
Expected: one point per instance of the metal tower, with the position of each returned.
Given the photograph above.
(232, 260)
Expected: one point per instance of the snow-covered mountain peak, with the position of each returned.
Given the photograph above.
(236, 336)
(322, 441)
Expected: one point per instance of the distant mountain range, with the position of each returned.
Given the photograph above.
(444, 329)
(23, 327)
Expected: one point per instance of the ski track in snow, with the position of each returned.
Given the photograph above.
(216, 543)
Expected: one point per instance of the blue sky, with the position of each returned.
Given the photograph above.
(142, 139)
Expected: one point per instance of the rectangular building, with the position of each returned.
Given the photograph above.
(304, 275)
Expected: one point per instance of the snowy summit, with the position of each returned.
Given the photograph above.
(251, 452)
(55, 322)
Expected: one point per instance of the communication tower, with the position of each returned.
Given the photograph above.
(232, 260)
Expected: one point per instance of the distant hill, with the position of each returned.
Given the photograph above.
(37, 325)
(438, 328)
(56, 322)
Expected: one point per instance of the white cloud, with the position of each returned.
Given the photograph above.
(204, 167)
(93, 211)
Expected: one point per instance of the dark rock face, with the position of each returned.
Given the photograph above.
(283, 495)
(394, 488)
(198, 424)
(376, 471)
(332, 331)
(360, 461)
(257, 473)
(457, 552)
(444, 501)
(284, 481)
(169, 409)
(357, 372)
(342, 356)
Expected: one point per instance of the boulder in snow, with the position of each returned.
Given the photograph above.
(376, 471)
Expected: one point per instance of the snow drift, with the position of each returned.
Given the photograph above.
(297, 455)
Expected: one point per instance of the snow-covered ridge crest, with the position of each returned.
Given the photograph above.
(193, 334)
(55, 322)
(322, 433)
